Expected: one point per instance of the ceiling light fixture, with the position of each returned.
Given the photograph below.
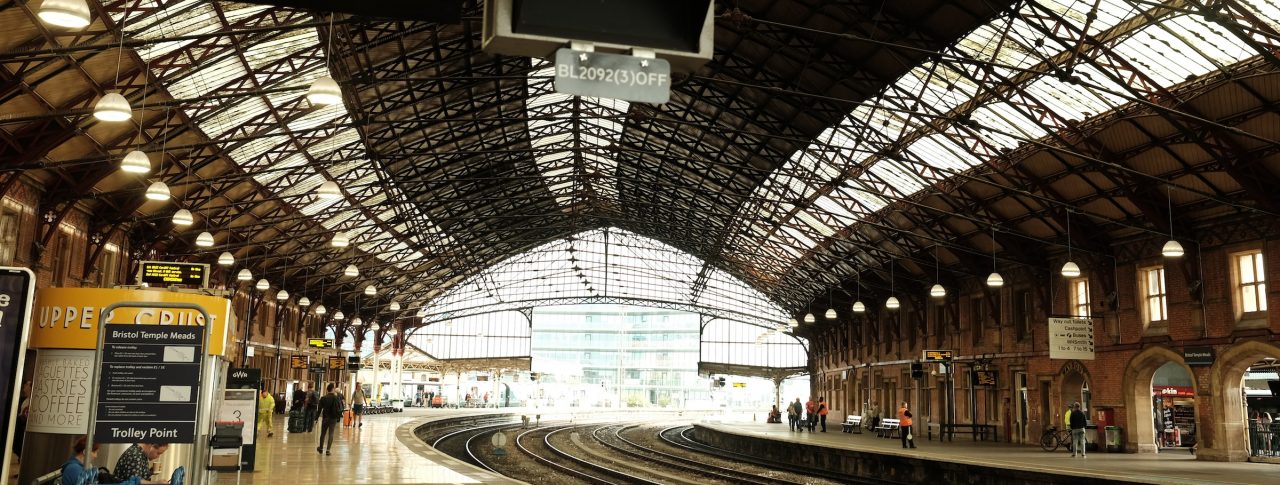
(73, 14)
(135, 162)
(226, 259)
(339, 316)
(858, 307)
(244, 275)
(321, 310)
(351, 271)
(340, 240)
(304, 302)
(937, 291)
(183, 217)
(1069, 269)
(1173, 248)
(891, 303)
(262, 285)
(370, 290)
(205, 240)
(329, 190)
(994, 280)
(158, 190)
(282, 295)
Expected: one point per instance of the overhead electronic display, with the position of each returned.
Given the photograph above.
(162, 273)
(299, 361)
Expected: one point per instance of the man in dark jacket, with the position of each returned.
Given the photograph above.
(330, 414)
(1078, 421)
(312, 409)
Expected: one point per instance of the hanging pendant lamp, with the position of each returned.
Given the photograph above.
(112, 107)
(339, 316)
(72, 14)
(859, 307)
(370, 290)
(205, 240)
(892, 303)
(158, 191)
(329, 190)
(183, 217)
(321, 310)
(831, 314)
(340, 240)
(304, 302)
(324, 91)
(263, 285)
(351, 271)
(994, 280)
(135, 162)
(808, 318)
(226, 259)
(937, 291)
(244, 275)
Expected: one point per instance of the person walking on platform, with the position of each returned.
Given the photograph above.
(266, 407)
(312, 409)
(793, 415)
(357, 405)
(330, 413)
(810, 414)
(822, 413)
(904, 426)
(1077, 421)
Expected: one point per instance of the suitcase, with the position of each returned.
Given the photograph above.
(347, 418)
(297, 421)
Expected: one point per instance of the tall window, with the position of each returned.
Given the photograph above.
(1154, 302)
(1251, 282)
(108, 266)
(8, 236)
(1021, 312)
(1080, 297)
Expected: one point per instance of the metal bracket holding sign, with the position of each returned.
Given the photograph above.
(17, 289)
(199, 447)
(616, 76)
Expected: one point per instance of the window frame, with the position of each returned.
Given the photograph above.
(1146, 294)
(1259, 285)
(1075, 305)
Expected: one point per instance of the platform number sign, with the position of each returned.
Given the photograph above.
(17, 286)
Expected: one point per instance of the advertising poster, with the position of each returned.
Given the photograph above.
(60, 395)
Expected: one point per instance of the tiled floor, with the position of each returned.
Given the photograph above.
(1164, 468)
(384, 451)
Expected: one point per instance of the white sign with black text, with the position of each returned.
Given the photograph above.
(1071, 338)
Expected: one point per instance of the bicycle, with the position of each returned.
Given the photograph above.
(1053, 438)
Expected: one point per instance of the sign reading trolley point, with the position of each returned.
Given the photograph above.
(149, 386)
(1071, 338)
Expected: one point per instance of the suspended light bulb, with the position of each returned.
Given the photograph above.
(892, 303)
(1070, 269)
(859, 307)
(226, 259)
(324, 91)
(394, 306)
(135, 162)
(205, 240)
(262, 285)
(831, 314)
(113, 107)
(937, 291)
(183, 217)
(321, 310)
(244, 275)
(793, 323)
(304, 302)
(374, 326)
(65, 13)
(158, 191)
(282, 295)
(340, 240)
(1172, 249)
(329, 190)
(339, 316)
(351, 271)
(357, 322)
(995, 280)
(808, 318)
(370, 290)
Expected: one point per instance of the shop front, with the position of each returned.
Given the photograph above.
(1175, 416)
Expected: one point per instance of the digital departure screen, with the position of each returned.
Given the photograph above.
(299, 361)
(165, 274)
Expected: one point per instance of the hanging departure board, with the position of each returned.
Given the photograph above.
(163, 273)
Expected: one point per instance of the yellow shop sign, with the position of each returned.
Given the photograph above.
(67, 318)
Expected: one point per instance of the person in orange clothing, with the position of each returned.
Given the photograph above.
(904, 426)
(822, 413)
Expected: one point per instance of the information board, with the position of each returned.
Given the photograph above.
(299, 361)
(353, 362)
(149, 386)
(984, 378)
(1071, 338)
(17, 285)
(165, 273)
(938, 355)
(337, 363)
(320, 343)
(615, 76)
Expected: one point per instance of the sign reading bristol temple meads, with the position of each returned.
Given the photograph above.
(150, 383)
(1071, 338)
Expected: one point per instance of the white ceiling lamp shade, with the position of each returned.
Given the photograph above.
(370, 290)
(339, 316)
(227, 259)
(73, 14)
(304, 302)
(112, 107)
(357, 322)
(183, 217)
(1172, 249)
(340, 240)
(394, 306)
(374, 326)
(859, 307)
(205, 240)
(831, 314)
(892, 303)
(1070, 269)
(262, 285)
(320, 309)
(808, 318)
(938, 291)
(282, 295)
(135, 162)
(244, 275)
(994, 280)
(351, 271)
(158, 191)
(329, 190)
(793, 323)
(324, 91)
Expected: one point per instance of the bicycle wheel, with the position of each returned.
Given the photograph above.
(1049, 441)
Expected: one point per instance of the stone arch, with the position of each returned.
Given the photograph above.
(1136, 385)
(1227, 438)
(1072, 378)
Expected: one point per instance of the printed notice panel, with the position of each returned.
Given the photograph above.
(149, 383)
(1071, 338)
(164, 274)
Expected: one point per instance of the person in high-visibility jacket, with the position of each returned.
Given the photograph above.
(266, 407)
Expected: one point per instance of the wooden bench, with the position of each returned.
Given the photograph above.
(887, 428)
(978, 431)
(852, 424)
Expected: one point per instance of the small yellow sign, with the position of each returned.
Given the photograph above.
(320, 343)
(938, 355)
(67, 318)
(739, 384)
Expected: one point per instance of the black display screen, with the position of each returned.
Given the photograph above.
(15, 310)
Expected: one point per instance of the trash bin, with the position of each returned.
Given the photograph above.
(1115, 439)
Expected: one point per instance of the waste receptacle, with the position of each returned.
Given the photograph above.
(1115, 439)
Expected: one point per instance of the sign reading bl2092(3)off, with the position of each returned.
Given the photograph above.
(615, 76)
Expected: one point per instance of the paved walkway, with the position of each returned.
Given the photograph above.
(1164, 468)
(384, 451)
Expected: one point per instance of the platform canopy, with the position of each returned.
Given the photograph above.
(826, 146)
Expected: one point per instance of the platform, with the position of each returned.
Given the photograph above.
(1177, 467)
(384, 451)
